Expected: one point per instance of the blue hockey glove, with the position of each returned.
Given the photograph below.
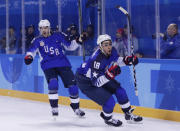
(28, 59)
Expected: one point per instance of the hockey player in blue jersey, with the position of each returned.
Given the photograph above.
(54, 63)
(96, 79)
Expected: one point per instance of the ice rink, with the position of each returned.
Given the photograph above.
(24, 115)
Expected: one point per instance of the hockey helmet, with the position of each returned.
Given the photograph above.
(44, 23)
(102, 38)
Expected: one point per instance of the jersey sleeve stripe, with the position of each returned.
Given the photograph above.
(101, 81)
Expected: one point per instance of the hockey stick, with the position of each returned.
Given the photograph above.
(81, 26)
(132, 45)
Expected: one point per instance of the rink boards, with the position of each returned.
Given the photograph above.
(157, 82)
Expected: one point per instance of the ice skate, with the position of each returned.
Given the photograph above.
(55, 114)
(131, 118)
(79, 112)
(110, 121)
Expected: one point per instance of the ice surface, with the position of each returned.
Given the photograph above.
(25, 115)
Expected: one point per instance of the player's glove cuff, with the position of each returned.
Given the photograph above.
(129, 60)
(82, 38)
(113, 71)
(109, 75)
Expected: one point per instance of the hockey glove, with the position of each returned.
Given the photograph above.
(113, 71)
(165, 37)
(28, 59)
(82, 38)
(70, 37)
(129, 60)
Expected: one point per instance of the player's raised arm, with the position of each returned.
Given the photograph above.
(71, 43)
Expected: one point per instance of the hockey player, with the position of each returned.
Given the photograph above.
(54, 63)
(96, 79)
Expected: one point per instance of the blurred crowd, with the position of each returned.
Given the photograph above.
(123, 40)
(15, 41)
(122, 45)
(17, 46)
(120, 42)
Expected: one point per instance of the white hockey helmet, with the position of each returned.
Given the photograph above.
(102, 38)
(44, 23)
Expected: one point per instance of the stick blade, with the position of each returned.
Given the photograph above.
(136, 93)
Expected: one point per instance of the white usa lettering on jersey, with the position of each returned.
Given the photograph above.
(51, 50)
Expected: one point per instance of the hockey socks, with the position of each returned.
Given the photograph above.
(107, 113)
(53, 100)
(53, 95)
(74, 98)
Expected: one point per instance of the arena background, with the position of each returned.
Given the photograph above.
(157, 80)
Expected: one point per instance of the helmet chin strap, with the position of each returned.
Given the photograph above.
(100, 46)
(49, 32)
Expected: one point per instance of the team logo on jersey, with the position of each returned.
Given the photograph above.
(94, 74)
(41, 43)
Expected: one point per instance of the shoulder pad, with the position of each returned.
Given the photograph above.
(36, 38)
(97, 55)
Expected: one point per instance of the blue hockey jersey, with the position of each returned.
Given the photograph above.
(50, 50)
(96, 66)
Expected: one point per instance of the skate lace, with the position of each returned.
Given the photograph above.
(54, 110)
(78, 111)
(113, 121)
(133, 116)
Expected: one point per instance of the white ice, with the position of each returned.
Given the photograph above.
(25, 115)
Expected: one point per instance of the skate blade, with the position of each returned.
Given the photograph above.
(54, 118)
(81, 117)
(134, 122)
(110, 125)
